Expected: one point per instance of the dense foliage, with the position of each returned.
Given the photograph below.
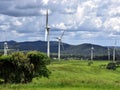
(113, 65)
(22, 68)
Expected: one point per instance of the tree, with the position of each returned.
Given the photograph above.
(21, 68)
(111, 66)
(6, 68)
(39, 62)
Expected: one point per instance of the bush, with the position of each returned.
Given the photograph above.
(90, 63)
(111, 66)
(21, 65)
(6, 68)
(21, 68)
(39, 61)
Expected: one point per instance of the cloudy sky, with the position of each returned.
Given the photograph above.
(84, 21)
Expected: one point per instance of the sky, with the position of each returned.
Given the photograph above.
(84, 21)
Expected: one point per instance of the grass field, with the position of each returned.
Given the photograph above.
(73, 75)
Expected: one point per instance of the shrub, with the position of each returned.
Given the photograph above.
(39, 61)
(6, 68)
(111, 66)
(21, 68)
(90, 63)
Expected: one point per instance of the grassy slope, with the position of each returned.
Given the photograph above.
(73, 75)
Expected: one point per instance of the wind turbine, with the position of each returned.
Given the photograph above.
(114, 50)
(47, 35)
(5, 45)
(59, 42)
(5, 42)
(5, 48)
(108, 53)
(92, 54)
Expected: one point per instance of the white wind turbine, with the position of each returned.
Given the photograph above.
(47, 35)
(92, 53)
(59, 42)
(5, 48)
(5, 42)
(5, 45)
(108, 53)
(114, 51)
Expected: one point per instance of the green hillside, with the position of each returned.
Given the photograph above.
(73, 75)
(67, 50)
(85, 49)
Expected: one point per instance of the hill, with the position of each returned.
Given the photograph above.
(82, 49)
(85, 50)
(33, 45)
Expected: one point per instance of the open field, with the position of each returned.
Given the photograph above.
(73, 75)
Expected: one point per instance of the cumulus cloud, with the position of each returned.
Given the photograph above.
(83, 19)
(60, 26)
(113, 24)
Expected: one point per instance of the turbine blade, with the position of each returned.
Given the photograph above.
(47, 19)
(62, 34)
(46, 30)
(46, 35)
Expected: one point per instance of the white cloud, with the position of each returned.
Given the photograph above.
(71, 35)
(92, 18)
(15, 33)
(115, 1)
(4, 27)
(43, 11)
(2, 17)
(78, 17)
(88, 35)
(98, 22)
(59, 26)
(69, 10)
(112, 24)
(112, 35)
(89, 4)
(45, 2)
(17, 23)
(114, 11)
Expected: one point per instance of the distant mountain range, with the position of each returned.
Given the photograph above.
(83, 49)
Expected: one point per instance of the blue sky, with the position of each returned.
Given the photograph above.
(84, 21)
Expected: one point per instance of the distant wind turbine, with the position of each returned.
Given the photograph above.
(47, 35)
(5, 42)
(59, 42)
(92, 54)
(114, 50)
(108, 53)
(5, 48)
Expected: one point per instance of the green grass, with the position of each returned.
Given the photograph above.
(73, 75)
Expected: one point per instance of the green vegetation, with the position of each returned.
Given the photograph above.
(22, 68)
(73, 75)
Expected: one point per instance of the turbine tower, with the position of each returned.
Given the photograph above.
(108, 53)
(47, 35)
(92, 54)
(59, 42)
(114, 50)
(5, 42)
(5, 48)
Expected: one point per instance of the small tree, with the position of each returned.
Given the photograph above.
(6, 68)
(111, 66)
(21, 68)
(39, 62)
(21, 65)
